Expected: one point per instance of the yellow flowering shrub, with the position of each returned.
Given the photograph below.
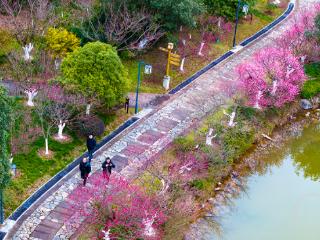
(60, 42)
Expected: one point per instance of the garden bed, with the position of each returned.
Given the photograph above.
(33, 170)
(262, 16)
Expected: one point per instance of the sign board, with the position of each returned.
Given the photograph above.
(163, 49)
(176, 63)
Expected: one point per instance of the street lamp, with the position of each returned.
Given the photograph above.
(245, 9)
(147, 70)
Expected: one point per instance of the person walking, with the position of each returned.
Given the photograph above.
(127, 103)
(85, 169)
(91, 145)
(107, 166)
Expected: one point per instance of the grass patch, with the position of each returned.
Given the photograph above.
(311, 87)
(34, 171)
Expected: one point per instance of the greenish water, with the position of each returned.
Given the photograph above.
(282, 201)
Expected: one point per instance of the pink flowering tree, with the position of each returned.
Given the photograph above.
(119, 210)
(296, 39)
(272, 78)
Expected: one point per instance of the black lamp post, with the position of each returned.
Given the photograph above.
(147, 70)
(236, 26)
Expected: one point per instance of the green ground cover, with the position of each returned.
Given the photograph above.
(311, 87)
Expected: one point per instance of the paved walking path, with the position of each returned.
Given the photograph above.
(139, 144)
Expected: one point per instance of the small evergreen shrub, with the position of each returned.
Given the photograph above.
(236, 141)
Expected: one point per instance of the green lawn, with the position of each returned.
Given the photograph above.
(153, 83)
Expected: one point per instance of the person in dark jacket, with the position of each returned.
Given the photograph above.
(126, 104)
(107, 166)
(85, 169)
(91, 145)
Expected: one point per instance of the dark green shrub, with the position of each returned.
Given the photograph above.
(225, 8)
(236, 141)
(313, 69)
(246, 112)
(198, 184)
(87, 125)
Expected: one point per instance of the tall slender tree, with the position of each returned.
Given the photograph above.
(4, 140)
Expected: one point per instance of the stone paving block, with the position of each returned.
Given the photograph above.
(50, 224)
(166, 124)
(180, 114)
(44, 232)
(64, 211)
(41, 235)
(133, 149)
(64, 204)
(120, 162)
(60, 216)
(150, 137)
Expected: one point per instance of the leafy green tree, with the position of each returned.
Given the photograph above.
(96, 71)
(171, 14)
(227, 8)
(60, 42)
(5, 110)
(175, 13)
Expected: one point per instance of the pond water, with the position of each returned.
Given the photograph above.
(282, 200)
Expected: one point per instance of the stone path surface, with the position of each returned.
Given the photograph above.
(139, 144)
(148, 99)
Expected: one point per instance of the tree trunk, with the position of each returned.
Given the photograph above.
(57, 63)
(274, 87)
(201, 48)
(259, 95)
(182, 64)
(232, 117)
(11, 158)
(88, 108)
(148, 229)
(47, 146)
(61, 126)
(209, 137)
(31, 95)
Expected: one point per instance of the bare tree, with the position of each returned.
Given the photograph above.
(28, 18)
(64, 108)
(26, 75)
(119, 26)
(43, 111)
